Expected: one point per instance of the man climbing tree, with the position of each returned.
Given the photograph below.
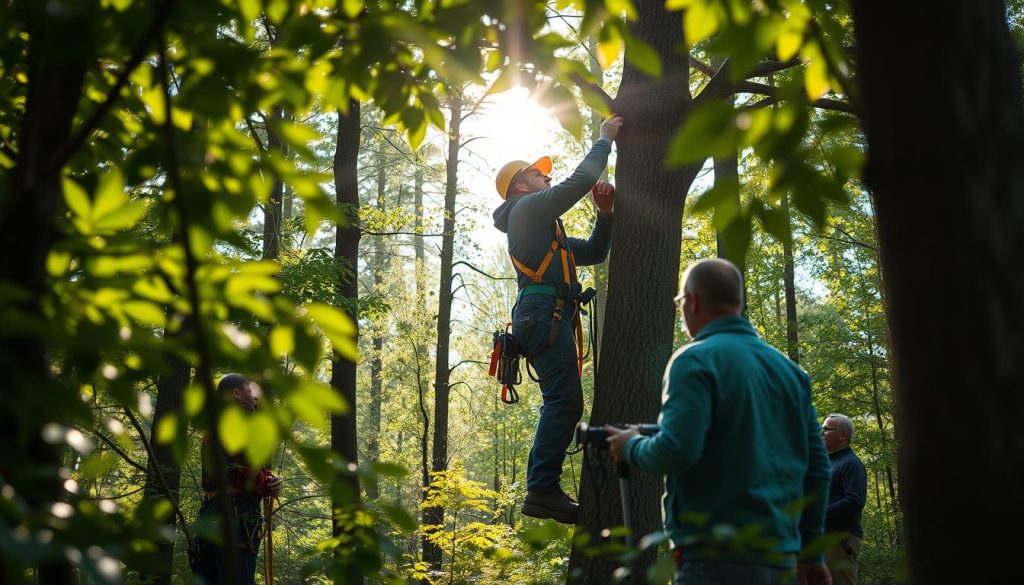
(547, 308)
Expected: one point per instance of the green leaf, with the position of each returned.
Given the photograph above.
(399, 516)
(352, 8)
(643, 56)
(700, 21)
(122, 218)
(710, 132)
(563, 104)
(662, 570)
(110, 194)
(338, 327)
(167, 429)
(774, 221)
(263, 438)
(250, 9)
(194, 399)
(234, 432)
(390, 469)
(77, 199)
(282, 340)
(144, 312)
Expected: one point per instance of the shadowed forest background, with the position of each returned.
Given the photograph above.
(300, 191)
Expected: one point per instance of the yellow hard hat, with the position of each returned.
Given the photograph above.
(510, 170)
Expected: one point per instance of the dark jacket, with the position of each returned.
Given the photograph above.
(529, 220)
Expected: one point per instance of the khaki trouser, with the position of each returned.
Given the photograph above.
(842, 560)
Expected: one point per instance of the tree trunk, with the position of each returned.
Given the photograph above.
(952, 160)
(170, 390)
(600, 270)
(376, 364)
(273, 210)
(28, 208)
(435, 515)
(345, 495)
(792, 341)
(417, 202)
(643, 272)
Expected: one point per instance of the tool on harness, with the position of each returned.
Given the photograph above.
(505, 365)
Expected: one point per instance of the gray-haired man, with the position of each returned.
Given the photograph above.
(846, 497)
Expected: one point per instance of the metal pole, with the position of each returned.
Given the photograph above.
(623, 472)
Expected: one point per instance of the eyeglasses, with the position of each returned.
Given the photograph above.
(826, 429)
(679, 298)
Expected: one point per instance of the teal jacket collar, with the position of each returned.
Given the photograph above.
(727, 324)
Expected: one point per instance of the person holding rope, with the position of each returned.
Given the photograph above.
(739, 445)
(545, 319)
(248, 487)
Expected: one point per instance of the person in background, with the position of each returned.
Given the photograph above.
(247, 487)
(846, 497)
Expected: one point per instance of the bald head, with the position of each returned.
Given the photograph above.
(717, 282)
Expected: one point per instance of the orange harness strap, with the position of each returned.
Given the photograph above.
(568, 276)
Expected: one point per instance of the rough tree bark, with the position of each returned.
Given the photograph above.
(948, 188)
(435, 515)
(789, 284)
(647, 236)
(170, 388)
(273, 210)
(346, 252)
(28, 207)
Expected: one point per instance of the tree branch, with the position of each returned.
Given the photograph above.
(474, 268)
(772, 93)
(701, 66)
(771, 66)
(585, 84)
(69, 148)
(120, 452)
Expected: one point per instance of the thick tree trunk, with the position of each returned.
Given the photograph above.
(27, 211)
(643, 273)
(170, 390)
(948, 186)
(345, 496)
(435, 515)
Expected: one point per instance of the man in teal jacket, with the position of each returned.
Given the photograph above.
(747, 474)
(545, 260)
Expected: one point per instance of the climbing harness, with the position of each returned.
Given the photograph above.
(507, 349)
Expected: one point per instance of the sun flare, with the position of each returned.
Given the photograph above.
(512, 125)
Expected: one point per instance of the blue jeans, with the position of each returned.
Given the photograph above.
(555, 366)
(721, 573)
(209, 569)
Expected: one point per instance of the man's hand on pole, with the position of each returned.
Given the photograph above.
(274, 484)
(604, 197)
(617, 439)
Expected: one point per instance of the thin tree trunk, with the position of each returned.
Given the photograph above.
(792, 341)
(343, 372)
(376, 363)
(435, 515)
(170, 390)
(273, 210)
(600, 270)
(28, 208)
(643, 270)
(953, 159)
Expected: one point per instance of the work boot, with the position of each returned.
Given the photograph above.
(555, 505)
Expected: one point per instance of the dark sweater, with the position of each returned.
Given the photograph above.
(846, 494)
